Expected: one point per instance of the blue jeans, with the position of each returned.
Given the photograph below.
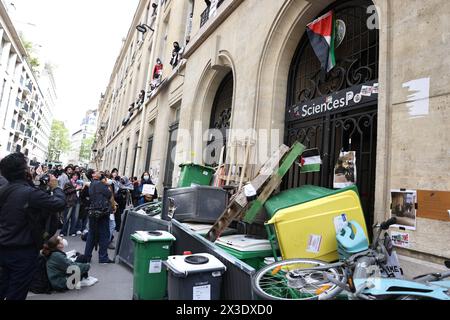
(100, 226)
(70, 217)
(17, 269)
(82, 224)
(112, 227)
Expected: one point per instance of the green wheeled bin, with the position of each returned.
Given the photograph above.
(151, 249)
(194, 174)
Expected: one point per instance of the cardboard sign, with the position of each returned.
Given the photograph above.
(433, 205)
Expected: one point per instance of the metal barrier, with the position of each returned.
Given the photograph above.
(237, 280)
(132, 222)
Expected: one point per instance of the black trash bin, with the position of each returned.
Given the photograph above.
(195, 277)
(201, 204)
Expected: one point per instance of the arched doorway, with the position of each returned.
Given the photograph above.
(220, 121)
(337, 111)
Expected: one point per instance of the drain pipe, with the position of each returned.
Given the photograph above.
(147, 84)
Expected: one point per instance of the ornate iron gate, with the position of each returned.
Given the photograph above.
(220, 120)
(332, 130)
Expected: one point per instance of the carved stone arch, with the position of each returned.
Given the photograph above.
(214, 72)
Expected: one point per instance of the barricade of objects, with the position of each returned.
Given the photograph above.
(210, 242)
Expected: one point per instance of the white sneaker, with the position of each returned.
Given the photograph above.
(78, 233)
(89, 281)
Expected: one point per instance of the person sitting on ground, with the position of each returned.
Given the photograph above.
(58, 267)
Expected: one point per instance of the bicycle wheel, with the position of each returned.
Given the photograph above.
(294, 280)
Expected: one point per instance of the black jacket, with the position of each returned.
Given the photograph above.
(15, 228)
(3, 181)
(100, 196)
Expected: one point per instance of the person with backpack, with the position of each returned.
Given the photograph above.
(100, 210)
(22, 209)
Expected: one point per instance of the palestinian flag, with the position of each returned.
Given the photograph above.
(321, 33)
(311, 161)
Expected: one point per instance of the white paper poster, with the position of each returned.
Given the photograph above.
(148, 189)
(155, 266)
(400, 239)
(366, 91)
(314, 243)
(403, 207)
(345, 170)
(201, 292)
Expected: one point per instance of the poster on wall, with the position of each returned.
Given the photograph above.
(345, 170)
(403, 207)
(400, 239)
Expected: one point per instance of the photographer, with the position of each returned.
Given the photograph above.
(21, 235)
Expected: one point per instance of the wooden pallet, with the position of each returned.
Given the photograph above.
(268, 179)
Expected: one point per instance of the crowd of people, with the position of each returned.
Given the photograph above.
(40, 206)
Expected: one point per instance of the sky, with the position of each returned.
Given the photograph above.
(82, 40)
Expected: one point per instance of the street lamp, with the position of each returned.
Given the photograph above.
(144, 28)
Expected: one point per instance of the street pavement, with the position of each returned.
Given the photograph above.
(115, 281)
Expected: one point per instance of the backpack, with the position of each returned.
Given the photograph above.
(41, 284)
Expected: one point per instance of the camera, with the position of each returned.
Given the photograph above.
(43, 183)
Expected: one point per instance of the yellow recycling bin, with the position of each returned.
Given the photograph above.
(307, 219)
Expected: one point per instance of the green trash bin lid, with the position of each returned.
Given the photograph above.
(152, 236)
(200, 167)
(300, 195)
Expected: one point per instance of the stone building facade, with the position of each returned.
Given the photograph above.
(27, 101)
(247, 65)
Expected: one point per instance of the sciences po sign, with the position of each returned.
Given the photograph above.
(335, 102)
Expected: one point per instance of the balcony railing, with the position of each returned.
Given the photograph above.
(205, 14)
